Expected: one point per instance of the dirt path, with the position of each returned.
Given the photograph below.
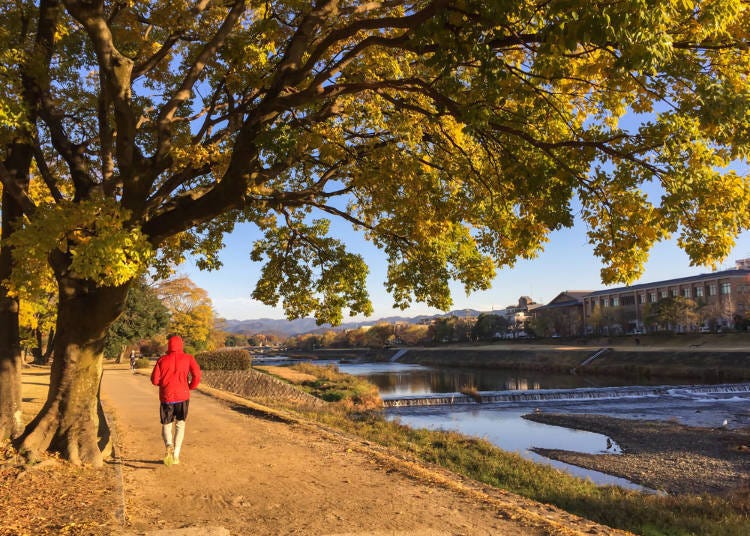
(241, 473)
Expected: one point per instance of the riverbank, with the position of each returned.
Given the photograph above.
(696, 358)
(663, 455)
(480, 460)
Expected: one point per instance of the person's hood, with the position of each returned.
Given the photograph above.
(174, 344)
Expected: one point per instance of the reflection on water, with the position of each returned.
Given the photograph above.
(397, 379)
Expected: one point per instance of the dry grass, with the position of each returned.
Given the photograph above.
(350, 392)
(286, 373)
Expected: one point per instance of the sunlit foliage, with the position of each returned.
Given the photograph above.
(457, 135)
(191, 314)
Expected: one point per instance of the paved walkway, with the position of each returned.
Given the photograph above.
(242, 472)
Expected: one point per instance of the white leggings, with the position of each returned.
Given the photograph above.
(179, 435)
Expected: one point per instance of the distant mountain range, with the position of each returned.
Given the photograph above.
(289, 328)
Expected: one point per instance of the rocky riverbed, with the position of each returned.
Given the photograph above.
(663, 455)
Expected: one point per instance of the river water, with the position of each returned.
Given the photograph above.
(501, 423)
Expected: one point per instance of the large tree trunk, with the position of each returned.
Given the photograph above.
(11, 362)
(69, 421)
(11, 422)
(47, 355)
(18, 155)
(37, 350)
(43, 352)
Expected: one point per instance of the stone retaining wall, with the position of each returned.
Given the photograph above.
(254, 384)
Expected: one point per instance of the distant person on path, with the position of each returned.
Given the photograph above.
(132, 361)
(176, 373)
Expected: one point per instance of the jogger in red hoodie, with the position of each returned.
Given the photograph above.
(176, 374)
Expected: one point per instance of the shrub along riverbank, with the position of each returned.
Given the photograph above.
(648, 514)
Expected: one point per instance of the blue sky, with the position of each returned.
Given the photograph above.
(567, 263)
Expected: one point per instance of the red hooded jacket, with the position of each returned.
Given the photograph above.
(171, 373)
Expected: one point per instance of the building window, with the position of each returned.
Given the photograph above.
(673, 292)
(726, 289)
(641, 298)
(712, 290)
(615, 301)
(686, 292)
(652, 297)
(698, 292)
(663, 294)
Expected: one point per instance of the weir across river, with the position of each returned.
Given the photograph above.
(593, 393)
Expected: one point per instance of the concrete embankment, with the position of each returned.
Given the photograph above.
(353, 354)
(256, 385)
(712, 358)
(701, 364)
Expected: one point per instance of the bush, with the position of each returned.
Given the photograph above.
(142, 362)
(234, 359)
(351, 392)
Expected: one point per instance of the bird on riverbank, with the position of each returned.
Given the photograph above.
(609, 443)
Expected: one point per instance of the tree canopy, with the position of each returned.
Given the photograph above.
(190, 312)
(453, 133)
(674, 312)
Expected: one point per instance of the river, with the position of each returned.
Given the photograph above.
(500, 422)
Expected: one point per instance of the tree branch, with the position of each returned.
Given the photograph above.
(191, 77)
(47, 176)
(16, 191)
(116, 69)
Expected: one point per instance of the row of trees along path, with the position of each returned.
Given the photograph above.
(250, 470)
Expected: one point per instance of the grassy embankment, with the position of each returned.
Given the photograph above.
(478, 459)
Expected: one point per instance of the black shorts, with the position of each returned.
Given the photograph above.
(173, 411)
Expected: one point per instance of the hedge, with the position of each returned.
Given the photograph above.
(234, 359)
(143, 362)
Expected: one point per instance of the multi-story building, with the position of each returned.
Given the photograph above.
(518, 316)
(718, 296)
